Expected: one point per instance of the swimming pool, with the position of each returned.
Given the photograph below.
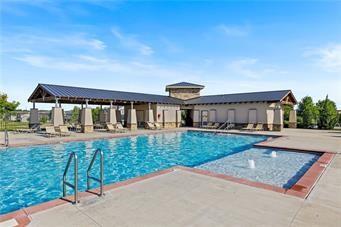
(33, 174)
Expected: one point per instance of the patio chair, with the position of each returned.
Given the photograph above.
(248, 127)
(157, 125)
(230, 126)
(209, 125)
(110, 127)
(28, 130)
(149, 125)
(50, 132)
(215, 125)
(259, 127)
(119, 127)
(64, 131)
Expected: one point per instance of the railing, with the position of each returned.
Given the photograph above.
(12, 125)
(101, 176)
(6, 138)
(224, 125)
(74, 186)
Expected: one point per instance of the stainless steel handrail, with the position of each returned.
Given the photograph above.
(100, 180)
(225, 123)
(6, 138)
(74, 186)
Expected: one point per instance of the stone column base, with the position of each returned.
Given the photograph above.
(196, 124)
(292, 125)
(277, 127)
(34, 118)
(178, 125)
(169, 124)
(132, 126)
(269, 127)
(87, 128)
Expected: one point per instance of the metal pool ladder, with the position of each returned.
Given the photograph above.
(101, 170)
(74, 186)
(6, 138)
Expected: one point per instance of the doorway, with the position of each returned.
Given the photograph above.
(187, 118)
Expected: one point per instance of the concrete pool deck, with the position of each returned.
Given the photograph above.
(26, 139)
(184, 198)
(301, 139)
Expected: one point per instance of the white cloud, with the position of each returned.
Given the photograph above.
(131, 42)
(24, 42)
(232, 30)
(79, 63)
(251, 68)
(85, 63)
(93, 43)
(170, 46)
(328, 57)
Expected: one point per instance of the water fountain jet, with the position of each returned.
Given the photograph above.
(273, 154)
(252, 164)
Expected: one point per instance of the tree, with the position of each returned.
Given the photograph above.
(75, 114)
(286, 115)
(6, 106)
(95, 114)
(328, 116)
(308, 112)
(43, 119)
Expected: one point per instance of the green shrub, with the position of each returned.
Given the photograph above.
(328, 116)
(307, 112)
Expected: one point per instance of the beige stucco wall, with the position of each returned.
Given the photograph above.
(184, 93)
(140, 111)
(171, 116)
(241, 111)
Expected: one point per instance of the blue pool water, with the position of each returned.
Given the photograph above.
(33, 174)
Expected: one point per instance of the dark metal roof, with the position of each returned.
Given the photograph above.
(264, 96)
(67, 94)
(70, 94)
(185, 84)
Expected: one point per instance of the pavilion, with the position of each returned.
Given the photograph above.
(183, 100)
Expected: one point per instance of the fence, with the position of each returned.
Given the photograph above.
(12, 125)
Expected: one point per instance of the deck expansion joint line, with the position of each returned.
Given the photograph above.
(88, 216)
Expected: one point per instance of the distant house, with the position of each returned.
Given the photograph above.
(23, 116)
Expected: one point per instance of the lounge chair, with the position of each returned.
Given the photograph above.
(230, 126)
(50, 132)
(248, 127)
(28, 130)
(119, 127)
(149, 125)
(157, 125)
(209, 125)
(110, 127)
(259, 127)
(214, 126)
(64, 131)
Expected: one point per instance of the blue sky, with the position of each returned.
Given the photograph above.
(228, 46)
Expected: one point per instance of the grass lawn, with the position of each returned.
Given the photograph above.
(12, 125)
